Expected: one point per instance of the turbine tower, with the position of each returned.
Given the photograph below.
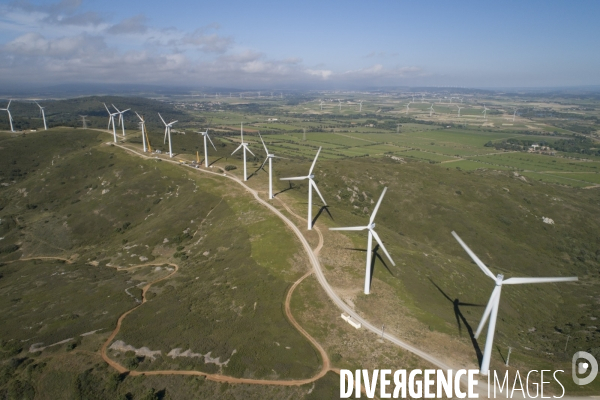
(143, 128)
(485, 112)
(205, 134)
(9, 116)
(321, 103)
(43, 115)
(84, 121)
(111, 120)
(269, 158)
(360, 102)
(459, 108)
(245, 148)
(407, 107)
(431, 110)
(492, 306)
(514, 114)
(340, 104)
(121, 119)
(311, 184)
(372, 234)
(167, 133)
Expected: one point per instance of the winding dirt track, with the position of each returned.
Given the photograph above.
(217, 377)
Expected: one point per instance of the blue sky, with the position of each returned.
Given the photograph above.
(309, 44)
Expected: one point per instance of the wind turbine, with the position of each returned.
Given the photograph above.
(269, 158)
(485, 112)
(311, 184)
(143, 125)
(514, 114)
(121, 119)
(111, 120)
(372, 234)
(398, 128)
(205, 134)
(84, 121)
(407, 107)
(340, 104)
(360, 102)
(9, 116)
(321, 103)
(492, 306)
(168, 133)
(431, 110)
(459, 108)
(43, 115)
(245, 147)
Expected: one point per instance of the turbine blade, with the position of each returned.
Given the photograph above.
(249, 150)
(161, 118)
(171, 123)
(264, 162)
(314, 162)
(376, 236)
(488, 310)
(350, 228)
(115, 107)
(377, 206)
(239, 147)
(106, 108)
(141, 119)
(516, 281)
(124, 111)
(263, 142)
(295, 178)
(211, 142)
(481, 265)
(314, 185)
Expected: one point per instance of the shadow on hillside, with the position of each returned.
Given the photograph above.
(460, 317)
(284, 190)
(324, 208)
(375, 256)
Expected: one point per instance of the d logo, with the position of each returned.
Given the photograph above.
(583, 367)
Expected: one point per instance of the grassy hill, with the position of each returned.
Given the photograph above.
(118, 222)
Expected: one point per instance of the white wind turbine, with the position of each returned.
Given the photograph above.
(321, 103)
(269, 158)
(407, 107)
(143, 125)
(167, 133)
(431, 110)
(360, 102)
(111, 120)
(492, 306)
(340, 104)
(121, 119)
(245, 148)
(459, 108)
(311, 185)
(84, 121)
(514, 114)
(43, 115)
(372, 234)
(205, 134)
(485, 112)
(9, 116)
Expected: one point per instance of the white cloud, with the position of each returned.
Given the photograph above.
(136, 24)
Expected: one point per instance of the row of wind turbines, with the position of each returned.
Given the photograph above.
(491, 312)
